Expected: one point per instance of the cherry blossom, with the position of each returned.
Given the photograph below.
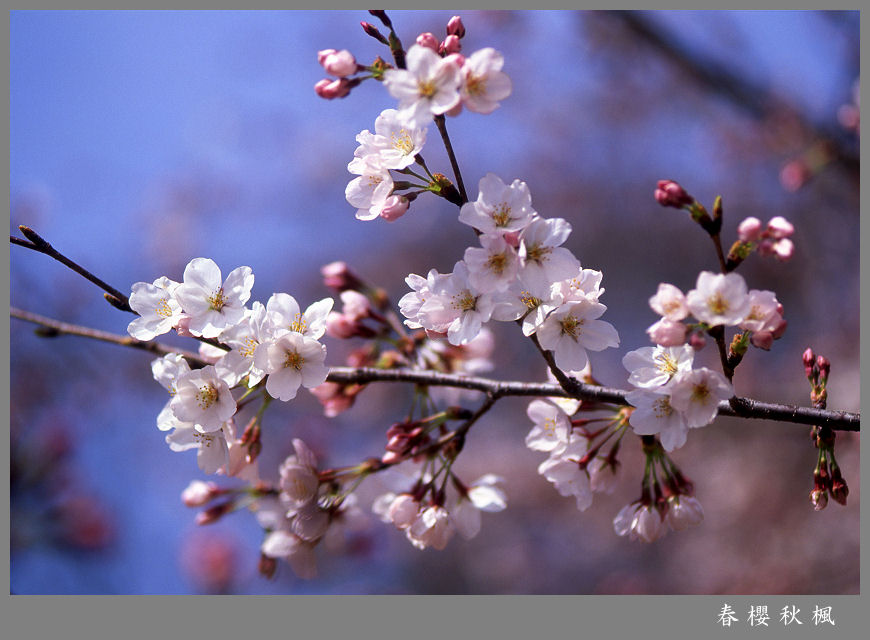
(719, 299)
(499, 208)
(212, 304)
(543, 261)
(654, 414)
(203, 398)
(494, 266)
(483, 83)
(157, 307)
(651, 367)
(429, 86)
(572, 329)
(552, 427)
(696, 394)
(291, 360)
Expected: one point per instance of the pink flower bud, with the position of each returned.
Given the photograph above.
(213, 514)
(794, 175)
(779, 228)
(455, 27)
(749, 230)
(340, 326)
(762, 340)
(783, 249)
(338, 276)
(667, 333)
(403, 510)
(372, 31)
(697, 340)
(330, 89)
(355, 306)
(819, 499)
(337, 63)
(198, 493)
(394, 208)
(670, 194)
(450, 45)
(428, 40)
(766, 247)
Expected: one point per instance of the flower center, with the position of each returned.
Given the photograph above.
(501, 215)
(475, 85)
(549, 426)
(497, 262)
(718, 304)
(294, 361)
(464, 301)
(666, 363)
(299, 324)
(537, 253)
(402, 141)
(163, 309)
(662, 407)
(248, 347)
(217, 300)
(207, 396)
(754, 313)
(571, 326)
(529, 300)
(700, 392)
(374, 180)
(427, 88)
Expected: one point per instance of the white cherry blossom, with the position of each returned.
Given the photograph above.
(291, 360)
(203, 398)
(212, 304)
(499, 208)
(493, 267)
(483, 82)
(157, 307)
(654, 415)
(552, 426)
(572, 329)
(542, 260)
(697, 395)
(428, 86)
(719, 299)
(651, 367)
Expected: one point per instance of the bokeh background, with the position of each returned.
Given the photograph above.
(140, 140)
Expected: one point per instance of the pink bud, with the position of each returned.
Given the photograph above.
(355, 306)
(766, 248)
(749, 230)
(455, 27)
(697, 340)
(403, 511)
(794, 175)
(667, 333)
(340, 326)
(338, 276)
(198, 493)
(779, 227)
(394, 208)
(428, 40)
(762, 340)
(330, 89)
(783, 249)
(450, 45)
(337, 63)
(670, 194)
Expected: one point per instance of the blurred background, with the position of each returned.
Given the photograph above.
(140, 140)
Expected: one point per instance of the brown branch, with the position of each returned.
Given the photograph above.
(570, 387)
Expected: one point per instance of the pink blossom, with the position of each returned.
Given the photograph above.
(394, 207)
(331, 89)
(749, 230)
(667, 333)
(337, 63)
(455, 27)
(428, 40)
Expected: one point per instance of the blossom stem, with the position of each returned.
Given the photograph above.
(495, 389)
(445, 138)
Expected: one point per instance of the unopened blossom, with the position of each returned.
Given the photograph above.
(647, 524)
(684, 512)
(284, 314)
(456, 28)
(394, 143)
(394, 208)
(667, 333)
(339, 276)
(499, 208)
(483, 82)
(651, 367)
(291, 360)
(670, 194)
(198, 493)
(749, 229)
(309, 522)
(212, 304)
(669, 302)
(542, 260)
(655, 415)
(552, 426)
(431, 528)
(212, 452)
(428, 86)
(203, 398)
(602, 474)
(370, 190)
(448, 46)
(493, 267)
(428, 40)
(157, 307)
(719, 299)
(331, 89)
(337, 63)
(572, 329)
(696, 394)
(402, 510)
(456, 307)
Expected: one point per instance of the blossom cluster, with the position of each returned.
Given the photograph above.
(432, 523)
(519, 272)
(716, 300)
(243, 346)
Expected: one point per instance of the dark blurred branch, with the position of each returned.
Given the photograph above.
(495, 389)
(54, 328)
(715, 77)
(445, 138)
(35, 242)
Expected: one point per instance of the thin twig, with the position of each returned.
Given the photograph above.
(37, 243)
(445, 138)
(738, 407)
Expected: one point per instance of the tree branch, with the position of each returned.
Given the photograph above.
(495, 389)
